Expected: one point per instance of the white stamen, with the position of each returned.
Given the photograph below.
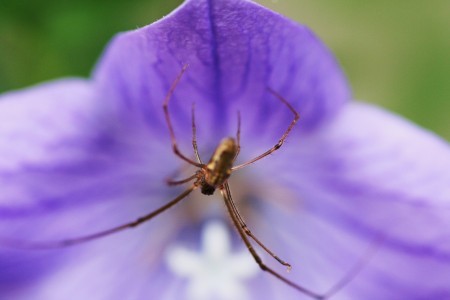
(215, 272)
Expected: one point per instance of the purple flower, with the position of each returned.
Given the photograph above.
(80, 156)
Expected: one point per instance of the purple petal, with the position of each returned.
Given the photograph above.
(60, 147)
(40, 128)
(30, 132)
(235, 50)
(66, 169)
(380, 176)
(97, 153)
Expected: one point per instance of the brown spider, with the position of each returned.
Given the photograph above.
(209, 177)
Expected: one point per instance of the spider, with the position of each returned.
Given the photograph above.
(209, 177)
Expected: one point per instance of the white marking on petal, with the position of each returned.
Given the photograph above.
(215, 241)
(214, 272)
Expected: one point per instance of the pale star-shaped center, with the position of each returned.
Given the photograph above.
(215, 272)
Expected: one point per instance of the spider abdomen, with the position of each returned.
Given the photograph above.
(219, 166)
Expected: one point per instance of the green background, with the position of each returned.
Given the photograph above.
(395, 53)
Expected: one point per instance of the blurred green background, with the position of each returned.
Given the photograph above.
(395, 53)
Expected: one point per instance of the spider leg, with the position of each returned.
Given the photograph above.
(78, 240)
(247, 230)
(283, 137)
(177, 182)
(169, 122)
(258, 259)
(357, 268)
(194, 135)
(348, 277)
(238, 135)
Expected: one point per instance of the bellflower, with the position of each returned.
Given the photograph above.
(79, 156)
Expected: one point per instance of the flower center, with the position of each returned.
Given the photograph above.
(215, 272)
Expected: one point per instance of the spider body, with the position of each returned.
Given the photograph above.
(218, 170)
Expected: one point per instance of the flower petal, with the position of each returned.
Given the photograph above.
(67, 169)
(39, 130)
(105, 150)
(379, 176)
(235, 50)
(60, 146)
(32, 123)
